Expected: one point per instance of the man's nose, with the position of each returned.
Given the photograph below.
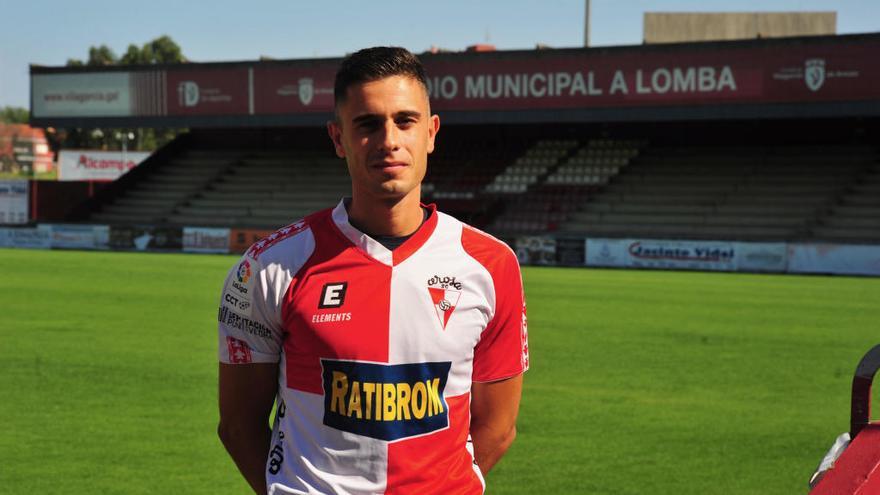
(389, 140)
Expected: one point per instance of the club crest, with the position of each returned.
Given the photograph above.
(306, 90)
(445, 293)
(814, 73)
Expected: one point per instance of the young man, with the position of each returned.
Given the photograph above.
(391, 336)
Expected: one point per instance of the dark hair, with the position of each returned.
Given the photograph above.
(372, 64)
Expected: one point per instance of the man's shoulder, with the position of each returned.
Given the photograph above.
(291, 238)
(484, 247)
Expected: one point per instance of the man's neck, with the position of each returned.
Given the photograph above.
(386, 217)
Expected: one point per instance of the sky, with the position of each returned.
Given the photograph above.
(48, 32)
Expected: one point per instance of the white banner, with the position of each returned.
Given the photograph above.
(97, 165)
(33, 238)
(643, 253)
(205, 240)
(834, 258)
(79, 236)
(96, 94)
(13, 201)
(761, 256)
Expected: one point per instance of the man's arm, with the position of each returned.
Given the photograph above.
(247, 393)
(494, 407)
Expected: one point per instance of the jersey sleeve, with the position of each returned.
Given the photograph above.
(503, 350)
(249, 323)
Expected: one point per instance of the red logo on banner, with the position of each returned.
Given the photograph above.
(239, 351)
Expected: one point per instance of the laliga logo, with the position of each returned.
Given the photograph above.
(244, 272)
(188, 94)
(814, 73)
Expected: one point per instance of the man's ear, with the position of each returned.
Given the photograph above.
(433, 129)
(335, 133)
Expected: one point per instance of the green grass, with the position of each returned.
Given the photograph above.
(641, 381)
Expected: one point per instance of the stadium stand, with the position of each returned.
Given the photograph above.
(261, 189)
(755, 193)
(582, 182)
(561, 174)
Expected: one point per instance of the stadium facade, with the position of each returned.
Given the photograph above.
(720, 155)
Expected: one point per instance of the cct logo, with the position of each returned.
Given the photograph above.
(385, 401)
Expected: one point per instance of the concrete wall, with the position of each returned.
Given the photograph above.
(667, 27)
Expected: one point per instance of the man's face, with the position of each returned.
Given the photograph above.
(385, 132)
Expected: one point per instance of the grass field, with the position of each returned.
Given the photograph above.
(641, 381)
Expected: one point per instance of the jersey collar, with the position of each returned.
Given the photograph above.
(377, 251)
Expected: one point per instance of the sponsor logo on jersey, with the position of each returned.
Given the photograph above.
(239, 351)
(330, 317)
(237, 301)
(333, 295)
(244, 271)
(385, 401)
(242, 276)
(445, 293)
(234, 320)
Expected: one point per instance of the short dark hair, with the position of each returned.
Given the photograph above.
(372, 64)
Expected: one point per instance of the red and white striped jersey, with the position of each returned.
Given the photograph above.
(377, 350)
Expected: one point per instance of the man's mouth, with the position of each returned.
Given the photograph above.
(389, 165)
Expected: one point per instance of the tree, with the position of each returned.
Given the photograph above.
(14, 115)
(162, 50)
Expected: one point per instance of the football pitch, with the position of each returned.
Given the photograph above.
(641, 381)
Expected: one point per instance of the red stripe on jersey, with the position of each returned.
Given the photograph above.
(418, 239)
(501, 352)
(351, 323)
(436, 463)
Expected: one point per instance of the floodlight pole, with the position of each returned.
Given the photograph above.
(586, 23)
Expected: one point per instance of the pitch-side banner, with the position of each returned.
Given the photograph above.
(812, 70)
(644, 253)
(97, 165)
(30, 238)
(834, 258)
(78, 236)
(205, 240)
(13, 201)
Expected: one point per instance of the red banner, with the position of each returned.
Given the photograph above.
(838, 68)
(798, 73)
(222, 91)
(294, 89)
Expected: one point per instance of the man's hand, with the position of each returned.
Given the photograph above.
(494, 407)
(247, 393)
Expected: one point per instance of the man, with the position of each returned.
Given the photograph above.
(391, 336)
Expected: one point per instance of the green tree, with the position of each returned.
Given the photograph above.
(14, 115)
(162, 50)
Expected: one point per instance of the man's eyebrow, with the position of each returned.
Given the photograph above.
(367, 117)
(370, 117)
(408, 113)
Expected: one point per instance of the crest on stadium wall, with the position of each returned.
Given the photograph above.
(814, 73)
(306, 90)
(188, 94)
